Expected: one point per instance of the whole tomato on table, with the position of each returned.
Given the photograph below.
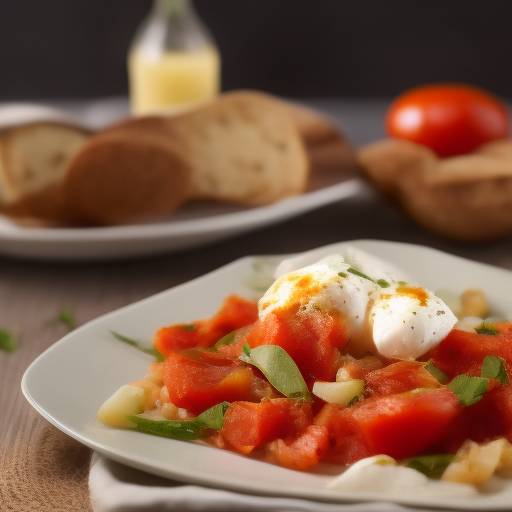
(451, 119)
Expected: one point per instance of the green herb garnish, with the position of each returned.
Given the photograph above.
(8, 340)
(469, 390)
(185, 430)
(228, 339)
(383, 283)
(487, 328)
(356, 272)
(67, 318)
(139, 346)
(432, 466)
(438, 374)
(279, 368)
(493, 368)
(189, 327)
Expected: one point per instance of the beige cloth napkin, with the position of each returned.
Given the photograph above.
(118, 488)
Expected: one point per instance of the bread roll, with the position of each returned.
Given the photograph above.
(466, 197)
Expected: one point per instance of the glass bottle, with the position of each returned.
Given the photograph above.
(173, 61)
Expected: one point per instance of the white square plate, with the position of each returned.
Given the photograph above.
(69, 382)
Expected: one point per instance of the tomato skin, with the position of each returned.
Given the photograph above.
(451, 119)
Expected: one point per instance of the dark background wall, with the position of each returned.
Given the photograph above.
(328, 48)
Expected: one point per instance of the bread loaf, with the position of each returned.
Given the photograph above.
(245, 147)
(466, 197)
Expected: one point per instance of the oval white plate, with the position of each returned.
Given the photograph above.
(193, 225)
(68, 383)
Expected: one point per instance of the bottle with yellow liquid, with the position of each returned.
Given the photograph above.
(173, 62)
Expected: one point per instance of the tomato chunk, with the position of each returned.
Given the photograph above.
(398, 378)
(234, 313)
(305, 451)
(197, 384)
(248, 425)
(399, 425)
(464, 352)
(312, 340)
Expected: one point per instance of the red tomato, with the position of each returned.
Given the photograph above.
(248, 425)
(451, 119)
(312, 340)
(234, 313)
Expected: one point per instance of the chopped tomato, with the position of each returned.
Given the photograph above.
(305, 451)
(489, 418)
(358, 368)
(464, 352)
(234, 313)
(398, 378)
(312, 340)
(398, 425)
(248, 425)
(205, 380)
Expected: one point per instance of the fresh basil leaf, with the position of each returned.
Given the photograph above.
(438, 374)
(432, 466)
(494, 368)
(225, 340)
(213, 417)
(185, 430)
(182, 430)
(469, 390)
(359, 273)
(139, 346)
(487, 328)
(279, 368)
(8, 340)
(67, 318)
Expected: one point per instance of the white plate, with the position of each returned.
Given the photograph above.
(69, 382)
(193, 225)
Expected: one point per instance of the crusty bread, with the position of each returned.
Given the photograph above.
(466, 197)
(33, 161)
(244, 147)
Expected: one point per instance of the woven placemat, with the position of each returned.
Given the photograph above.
(45, 470)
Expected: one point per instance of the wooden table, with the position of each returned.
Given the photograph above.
(33, 292)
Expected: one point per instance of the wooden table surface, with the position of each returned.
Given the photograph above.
(33, 292)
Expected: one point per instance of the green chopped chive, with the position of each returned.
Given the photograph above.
(494, 368)
(279, 369)
(67, 318)
(469, 390)
(185, 430)
(487, 328)
(438, 374)
(402, 283)
(383, 283)
(432, 466)
(139, 346)
(8, 340)
(358, 273)
(189, 327)
(342, 274)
